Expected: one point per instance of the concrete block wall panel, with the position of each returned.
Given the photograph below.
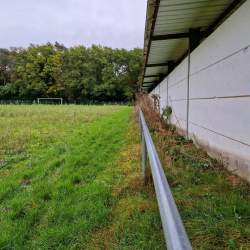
(179, 110)
(232, 36)
(179, 124)
(179, 116)
(163, 90)
(226, 78)
(229, 117)
(163, 103)
(231, 153)
(163, 87)
(178, 91)
(219, 106)
(179, 74)
(156, 90)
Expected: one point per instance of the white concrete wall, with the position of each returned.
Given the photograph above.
(219, 99)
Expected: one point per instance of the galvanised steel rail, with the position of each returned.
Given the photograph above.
(174, 231)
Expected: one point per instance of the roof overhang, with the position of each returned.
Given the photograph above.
(167, 27)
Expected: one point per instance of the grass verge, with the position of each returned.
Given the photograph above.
(213, 202)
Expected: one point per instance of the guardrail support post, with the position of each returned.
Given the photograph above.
(144, 158)
(140, 125)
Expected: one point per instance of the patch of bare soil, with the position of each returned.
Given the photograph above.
(26, 182)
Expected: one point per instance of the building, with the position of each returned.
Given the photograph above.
(197, 59)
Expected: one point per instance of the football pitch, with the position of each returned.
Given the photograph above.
(52, 194)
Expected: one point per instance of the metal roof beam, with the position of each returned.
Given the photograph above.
(153, 86)
(157, 65)
(162, 64)
(223, 15)
(161, 77)
(150, 27)
(210, 30)
(151, 76)
(194, 39)
(203, 34)
(171, 65)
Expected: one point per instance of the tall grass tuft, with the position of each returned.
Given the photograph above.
(150, 109)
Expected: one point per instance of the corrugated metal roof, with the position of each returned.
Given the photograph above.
(175, 18)
(175, 49)
(156, 70)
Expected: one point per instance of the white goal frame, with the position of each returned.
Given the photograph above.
(38, 99)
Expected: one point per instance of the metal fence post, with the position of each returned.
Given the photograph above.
(144, 158)
(140, 125)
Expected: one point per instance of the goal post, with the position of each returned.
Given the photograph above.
(38, 99)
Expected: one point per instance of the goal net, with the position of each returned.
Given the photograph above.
(50, 101)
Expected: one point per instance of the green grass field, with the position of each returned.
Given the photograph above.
(51, 160)
(70, 178)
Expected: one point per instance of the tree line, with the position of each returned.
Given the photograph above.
(97, 73)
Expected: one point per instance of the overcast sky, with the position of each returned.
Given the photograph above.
(115, 23)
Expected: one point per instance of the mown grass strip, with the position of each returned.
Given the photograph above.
(135, 220)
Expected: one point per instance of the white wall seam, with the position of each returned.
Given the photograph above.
(216, 97)
(178, 118)
(197, 72)
(220, 134)
(174, 84)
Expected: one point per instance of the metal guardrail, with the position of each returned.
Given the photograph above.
(174, 231)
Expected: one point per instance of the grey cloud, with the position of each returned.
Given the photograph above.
(115, 23)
